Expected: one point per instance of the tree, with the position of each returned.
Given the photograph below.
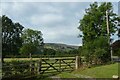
(32, 40)
(28, 48)
(11, 36)
(118, 33)
(93, 26)
(1, 38)
(49, 51)
(74, 51)
(93, 23)
(118, 28)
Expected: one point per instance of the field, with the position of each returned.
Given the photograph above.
(105, 71)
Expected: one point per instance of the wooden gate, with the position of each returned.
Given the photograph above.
(56, 64)
(41, 66)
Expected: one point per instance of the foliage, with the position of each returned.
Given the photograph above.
(93, 23)
(116, 52)
(49, 51)
(32, 41)
(15, 69)
(27, 48)
(11, 36)
(118, 32)
(74, 51)
(93, 26)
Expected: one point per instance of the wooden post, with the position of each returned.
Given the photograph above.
(111, 53)
(39, 66)
(60, 65)
(77, 62)
(32, 65)
(30, 62)
(33, 68)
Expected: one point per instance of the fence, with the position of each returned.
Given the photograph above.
(42, 66)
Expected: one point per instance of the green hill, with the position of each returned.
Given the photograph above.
(59, 46)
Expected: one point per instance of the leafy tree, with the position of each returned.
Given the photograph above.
(118, 33)
(118, 28)
(11, 36)
(48, 51)
(93, 23)
(101, 49)
(32, 41)
(27, 48)
(74, 51)
(93, 26)
(1, 37)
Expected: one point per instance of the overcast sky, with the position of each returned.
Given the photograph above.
(58, 21)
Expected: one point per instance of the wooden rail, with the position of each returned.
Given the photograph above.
(58, 64)
(45, 65)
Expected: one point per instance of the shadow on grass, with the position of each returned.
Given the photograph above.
(44, 76)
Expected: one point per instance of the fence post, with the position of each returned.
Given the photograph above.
(39, 66)
(77, 62)
(60, 65)
(30, 62)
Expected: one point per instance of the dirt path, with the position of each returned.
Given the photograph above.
(55, 78)
(76, 75)
(81, 76)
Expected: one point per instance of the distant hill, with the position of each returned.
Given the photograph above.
(59, 46)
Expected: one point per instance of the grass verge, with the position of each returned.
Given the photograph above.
(104, 71)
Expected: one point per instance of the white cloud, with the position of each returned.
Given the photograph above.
(48, 8)
(46, 19)
(16, 11)
(59, 33)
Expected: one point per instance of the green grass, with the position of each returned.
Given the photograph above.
(106, 71)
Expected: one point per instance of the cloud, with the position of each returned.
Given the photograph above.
(46, 18)
(14, 7)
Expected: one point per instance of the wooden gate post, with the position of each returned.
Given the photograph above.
(30, 62)
(39, 66)
(77, 62)
(60, 65)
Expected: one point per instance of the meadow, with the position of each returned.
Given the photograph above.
(103, 71)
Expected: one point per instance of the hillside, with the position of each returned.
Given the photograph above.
(58, 46)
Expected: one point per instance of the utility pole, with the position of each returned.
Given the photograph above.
(108, 32)
(107, 27)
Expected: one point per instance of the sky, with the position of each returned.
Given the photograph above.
(58, 21)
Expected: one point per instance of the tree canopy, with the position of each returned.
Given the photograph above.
(32, 40)
(93, 23)
(94, 28)
(11, 36)
(15, 40)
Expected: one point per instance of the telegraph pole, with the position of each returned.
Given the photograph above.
(108, 32)
(107, 26)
